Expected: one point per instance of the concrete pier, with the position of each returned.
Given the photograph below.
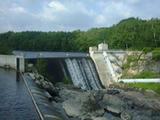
(8, 60)
(13, 62)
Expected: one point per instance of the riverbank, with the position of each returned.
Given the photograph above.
(146, 86)
(104, 104)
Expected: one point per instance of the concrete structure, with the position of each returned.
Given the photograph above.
(8, 60)
(102, 68)
(11, 61)
(92, 49)
(20, 57)
(42, 54)
(21, 63)
(102, 47)
(108, 63)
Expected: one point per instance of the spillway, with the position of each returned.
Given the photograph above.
(83, 73)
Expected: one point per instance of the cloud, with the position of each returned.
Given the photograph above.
(132, 1)
(17, 9)
(66, 15)
(57, 6)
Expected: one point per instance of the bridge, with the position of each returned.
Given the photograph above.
(43, 54)
(17, 60)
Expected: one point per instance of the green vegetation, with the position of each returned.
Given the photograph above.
(152, 86)
(131, 33)
(67, 81)
(133, 67)
(156, 54)
(130, 59)
(147, 74)
(41, 67)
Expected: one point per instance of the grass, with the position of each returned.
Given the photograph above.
(151, 86)
(147, 74)
(130, 59)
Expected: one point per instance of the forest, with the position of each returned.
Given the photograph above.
(131, 33)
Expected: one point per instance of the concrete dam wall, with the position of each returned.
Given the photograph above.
(108, 63)
(8, 60)
(12, 61)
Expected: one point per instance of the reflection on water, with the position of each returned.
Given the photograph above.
(17, 76)
(15, 102)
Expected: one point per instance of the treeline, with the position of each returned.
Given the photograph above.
(131, 33)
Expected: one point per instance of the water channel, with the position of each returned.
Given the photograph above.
(15, 101)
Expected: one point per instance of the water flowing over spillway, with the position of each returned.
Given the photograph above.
(83, 73)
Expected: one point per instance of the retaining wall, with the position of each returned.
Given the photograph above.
(9, 60)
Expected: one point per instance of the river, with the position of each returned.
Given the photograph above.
(15, 101)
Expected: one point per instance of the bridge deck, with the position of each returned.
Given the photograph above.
(42, 54)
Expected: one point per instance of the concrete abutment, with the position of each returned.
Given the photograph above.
(13, 62)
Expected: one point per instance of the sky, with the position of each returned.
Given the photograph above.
(69, 15)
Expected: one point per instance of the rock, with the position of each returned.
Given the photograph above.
(141, 101)
(113, 91)
(99, 112)
(32, 76)
(50, 98)
(82, 105)
(100, 118)
(109, 116)
(150, 93)
(67, 94)
(73, 106)
(125, 116)
(107, 104)
(112, 103)
(38, 82)
(141, 115)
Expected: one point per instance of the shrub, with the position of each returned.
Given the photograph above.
(156, 54)
(67, 81)
(130, 59)
(147, 49)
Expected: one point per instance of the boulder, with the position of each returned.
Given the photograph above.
(82, 105)
(112, 103)
(109, 116)
(113, 91)
(73, 106)
(100, 118)
(125, 116)
(38, 82)
(141, 101)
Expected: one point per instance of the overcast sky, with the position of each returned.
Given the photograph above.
(68, 15)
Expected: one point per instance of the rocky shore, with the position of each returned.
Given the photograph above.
(106, 104)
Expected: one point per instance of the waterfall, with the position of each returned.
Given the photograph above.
(83, 73)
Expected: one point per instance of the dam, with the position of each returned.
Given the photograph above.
(29, 95)
(94, 70)
(88, 71)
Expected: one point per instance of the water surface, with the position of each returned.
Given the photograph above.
(15, 101)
